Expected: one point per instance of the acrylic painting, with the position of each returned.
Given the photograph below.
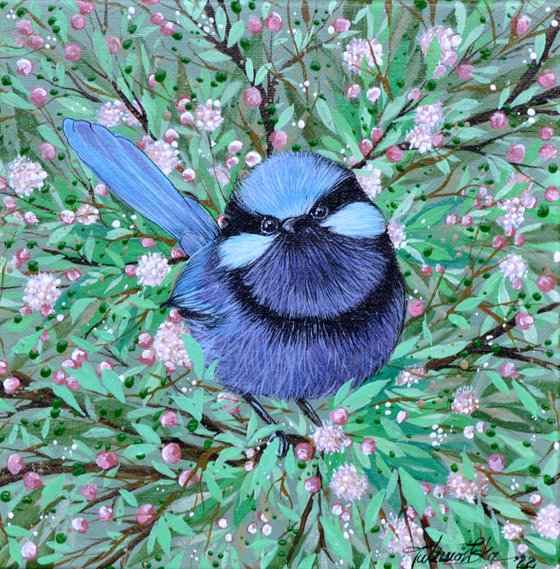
(279, 284)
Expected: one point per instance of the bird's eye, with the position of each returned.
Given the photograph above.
(269, 225)
(320, 212)
(223, 221)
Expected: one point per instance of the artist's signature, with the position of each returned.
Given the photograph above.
(471, 552)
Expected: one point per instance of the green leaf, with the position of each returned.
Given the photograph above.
(412, 491)
(335, 540)
(372, 510)
(53, 489)
(113, 384)
(163, 536)
(67, 396)
(307, 562)
(147, 433)
(527, 399)
(433, 56)
(16, 531)
(178, 524)
(364, 395)
(196, 354)
(236, 32)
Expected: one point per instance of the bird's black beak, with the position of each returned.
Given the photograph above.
(295, 224)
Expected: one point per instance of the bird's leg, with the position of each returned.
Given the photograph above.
(261, 412)
(309, 412)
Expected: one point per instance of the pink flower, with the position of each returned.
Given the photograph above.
(167, 28)
(25, 27)
(72, 52)
(171, 453)
(376, 134)
(524, 320)
(73, 274)
(416, 308)
(415, 94)
(148, 242)
(547, 79)
(312, 484)
(394, 154)
(157, 18)
(368, 446)
(171, 135)
(427, 271)
(148, 358)
(29, 551)
(466, 220)
(72, 383)
(546, 282)
(235, 146)
(353, 91)
(114, 44)
(551, 194)
(130, 271)
(177, 253)
(451, 219)
(536, 500)
(509, 370)
(339, 416)
(145, 340)
(35, 42)
(341, 25)
(102, 366)
(252, 158)
(168, 419)
(496, 462)
(86, 7)
(464, 71)
(47, 151)
(30, 218)
(373, 94)
(32, 481)
(254, 25)
(304, 452)
(278, 139)
(79, 356)
(59, 377)
(15, 464)
(145, 514)
(252, 98)
(24, 66)
(107, 460)
(188, 477)
(546, 133)
(516, 153)
(365, 146)
(80, 525)
(498, 242)
(38, 96)
(67, 217)
(3, 367)
(78, 22)
(274, 22)
(105, 513)
(188, 175)
(11, 384)
(548, 152)
(520, 24)
(499, 120)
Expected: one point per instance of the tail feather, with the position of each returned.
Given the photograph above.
(135, 179)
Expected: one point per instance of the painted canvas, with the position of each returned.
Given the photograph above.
(279, 284)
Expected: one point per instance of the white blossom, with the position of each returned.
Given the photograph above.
(25, 176)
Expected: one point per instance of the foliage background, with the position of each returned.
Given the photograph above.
(466, 296)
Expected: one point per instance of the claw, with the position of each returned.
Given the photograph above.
(283, 440)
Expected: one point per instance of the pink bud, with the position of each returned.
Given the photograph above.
(509, 370)
(498, 242)
(524, 320)
(252, 528)
(547, 79)
(426, 488)
(47, 151)
(145, 340)
(254, 25)
(415, 94)
(3, 367)
(72, 383)
(233, 161)
(101, 367)
(32, 481)
(520, 24)
(177, 253)
(496, 462)
(439, 491)
(516, 153)
(551, 194)
(9, 203)
(157, 18)
(546, 133)
(353, 91)
(341, 25)
(107, 460)
(235, 146)
(429, 512)
(69, 363)
(86, 7)
(394, 154)
(519, 241)
(464, 71)
(89, 492)
(80, 525)
(174, 316)
(368, 446)
(546, 282)
(150, 2)
(145, 514)
(23, 255)
(78, 22)
(171, 453)
(73, 52)
(427, 271)
(186, 118)
(148, 358)
(130, 271)
(11, 384)
(189, 175)
(148, 242)
(339, 416)
(373, 94)
(402, 416)
(346, 516)
(451, 219)
(38, 96)
(337, 509)
(365, 146)
(499, 120)
(536, 500)
(188, 477)
(304, 451)
(15, 464)
(548, 152)
(35, 42)
(25, 27)
(59, 377)
(167, 28)
(252, 158)
(274, 22)
(30, 218)
(278, 139)
(29, 551)
(439, 71)
(105, 513)
(312, 484)
(171, 135)
(79, 356)
(67, 217)
(416, 308)
(231, 402)
(168, 419)
(73, 274)
(376, 134)
(252, 98)
(114, 44)
(152, 82)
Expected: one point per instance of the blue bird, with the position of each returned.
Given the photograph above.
(297, 290)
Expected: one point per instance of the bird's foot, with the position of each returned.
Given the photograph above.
(284, 444)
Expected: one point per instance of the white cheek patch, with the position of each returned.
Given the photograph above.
(358, 219)
(241, 250)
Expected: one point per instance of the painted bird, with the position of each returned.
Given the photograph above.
(294, 292)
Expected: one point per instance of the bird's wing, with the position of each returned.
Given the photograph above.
(135, 179)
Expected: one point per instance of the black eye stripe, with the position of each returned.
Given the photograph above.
(347, 192)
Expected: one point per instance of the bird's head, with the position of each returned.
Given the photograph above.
(302, 238)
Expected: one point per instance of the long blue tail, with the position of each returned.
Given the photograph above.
(135, 179)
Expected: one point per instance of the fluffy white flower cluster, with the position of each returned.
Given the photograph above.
(467, 490)
(411, 376)
(348, 483)
(465, 401)
(406, 534)
(209, 116)
(447, 41)
(359, 50)
(515, 211)
(25, 176)
(330, 438)
(87, 214)
(512, 531)
(41, 292)
(114, 113)
(164, 155)
(169, 347)
(397, 234)
(370, 181)
(152, 269)
(547, 521)
(515, 268)
(427, 121)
